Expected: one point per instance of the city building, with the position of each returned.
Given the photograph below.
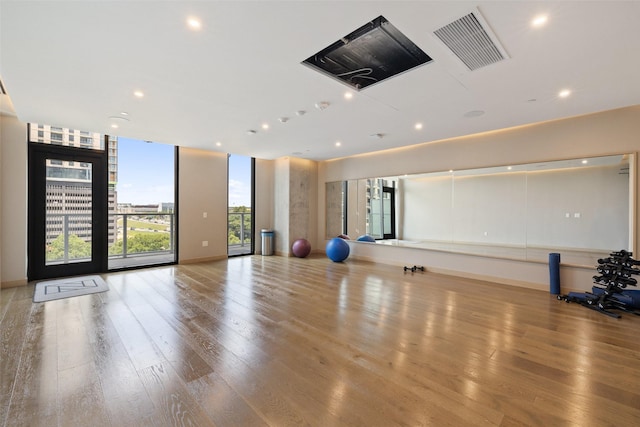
(68, 183)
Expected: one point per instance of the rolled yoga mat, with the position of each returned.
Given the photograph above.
(554, 273)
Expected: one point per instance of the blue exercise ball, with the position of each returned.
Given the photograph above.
(337, 249)
(366, 238)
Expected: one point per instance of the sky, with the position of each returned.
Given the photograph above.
(146, 174)
(239, 180)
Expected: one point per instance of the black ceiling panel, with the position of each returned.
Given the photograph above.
(372, 53)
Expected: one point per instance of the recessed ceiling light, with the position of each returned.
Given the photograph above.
(509, 168)
(564, 93)
(194, 23)
(138, 94)
(418, 126)
(283, 119)
(322, 105)
(114, 126)
(218, 144)
(584, 162)
(265, 126)
(539, 21)
(124, 113)
(251, 132)
(338, 143)
(300, 113)
(348, 95)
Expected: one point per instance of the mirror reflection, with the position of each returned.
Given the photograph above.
(577, 207)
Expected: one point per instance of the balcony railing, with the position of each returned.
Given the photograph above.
(141, 234)
(132, 235)
(239, 232)
(134, 238)
(68, 238)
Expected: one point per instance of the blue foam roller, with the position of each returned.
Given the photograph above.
(578, 296)
(554, 273)
(634, 296)
(629, 298)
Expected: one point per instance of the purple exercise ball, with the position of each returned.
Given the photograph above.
(301, 248)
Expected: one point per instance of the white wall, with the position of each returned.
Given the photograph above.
(264, 208)
(13, 201)
(1, 189)
(202, 188)
(607, 133)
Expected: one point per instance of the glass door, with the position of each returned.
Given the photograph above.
(67, 233)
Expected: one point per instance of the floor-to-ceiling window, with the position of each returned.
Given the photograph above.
(142, 217)
(240, 228)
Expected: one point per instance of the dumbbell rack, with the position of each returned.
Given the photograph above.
(615, 274)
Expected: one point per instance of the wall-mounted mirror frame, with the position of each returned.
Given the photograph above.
(582, 208)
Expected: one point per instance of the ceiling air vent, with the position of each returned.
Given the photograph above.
(472, 41)
(372, 53)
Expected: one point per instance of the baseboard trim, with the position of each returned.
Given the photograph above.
(492, 279)
(205, 259)
(13, 284)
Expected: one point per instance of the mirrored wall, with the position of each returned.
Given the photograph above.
(580, 208)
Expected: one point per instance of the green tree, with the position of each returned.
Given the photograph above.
(78, 248)
(142, 242)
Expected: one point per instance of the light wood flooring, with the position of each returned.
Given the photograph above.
(277, 341)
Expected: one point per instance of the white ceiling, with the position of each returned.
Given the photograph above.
(76, 64)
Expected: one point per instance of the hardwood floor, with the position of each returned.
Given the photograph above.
(280, 341)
